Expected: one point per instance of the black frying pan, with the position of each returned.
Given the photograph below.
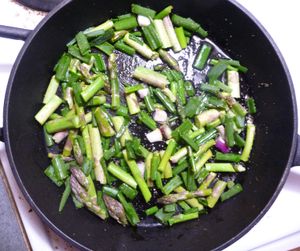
(236, 32)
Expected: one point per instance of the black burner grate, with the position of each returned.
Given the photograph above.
(42, 5)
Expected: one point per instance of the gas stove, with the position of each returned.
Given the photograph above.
(279, 229)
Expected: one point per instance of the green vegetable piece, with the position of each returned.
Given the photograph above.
(83, 43)
(162, 216)
(128, 191)
(171, 208)
(250, 134)
(121, 174)
(231, 157)
(92, 89)
(165, 12)
(50, 173)
(65, 195)
(126, 23)
(182, 218)
(60, 167)
(151, 210)
(234, 190)
(62, 67)
(202, 56)
(106, 47)
(251, 105)
(140, 10)
(172, 184)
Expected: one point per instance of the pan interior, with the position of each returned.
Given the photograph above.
(239, 37)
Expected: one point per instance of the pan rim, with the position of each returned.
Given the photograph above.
(68, 238)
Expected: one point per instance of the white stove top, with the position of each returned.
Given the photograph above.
(279, 229)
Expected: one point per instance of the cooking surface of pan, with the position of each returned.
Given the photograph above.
(268, 80)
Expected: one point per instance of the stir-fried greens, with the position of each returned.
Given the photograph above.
(195, 134)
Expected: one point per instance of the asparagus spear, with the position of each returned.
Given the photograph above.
(53, 103)
(118, 121)
(82, 196)
(47, 137)
(202, 160)
(150, 77)
(249, 142)
(51, 90)
(171, 33)
(121, 174)
(87, 142)
(76, 149)
(162, 33)
(65, 195)
(218, 189)
(133, 104)
(182, 217)
(192, 202)
(166, 57)
(208, 180)
(97, 153)
(80, 177)
(167, 154)
(115, 85)
(115, 209)
(68, 147)
(61, 124)
(182, 152)
(140, 46)
(92, 89)
(103, 124)
(138, 178)
(173, 198)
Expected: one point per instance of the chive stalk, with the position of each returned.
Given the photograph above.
(165, 101)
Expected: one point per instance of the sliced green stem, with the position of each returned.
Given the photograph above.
(49, 108)
(121, 174)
